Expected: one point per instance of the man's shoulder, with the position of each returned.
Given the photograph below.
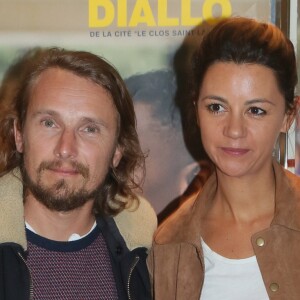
(11, 209)
(11, 184)
(137, 224)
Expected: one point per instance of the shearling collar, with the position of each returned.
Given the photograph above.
(184, 225)
(136, 224)
(12, 228)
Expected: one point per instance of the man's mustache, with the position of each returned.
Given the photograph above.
(78, 167)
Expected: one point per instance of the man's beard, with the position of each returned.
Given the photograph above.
(59, 196)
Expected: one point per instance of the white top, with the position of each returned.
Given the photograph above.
(231, 279)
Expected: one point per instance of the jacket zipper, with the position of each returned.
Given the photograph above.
(30, 279)
(135, 262)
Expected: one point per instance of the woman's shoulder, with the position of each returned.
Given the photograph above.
(175, 225)
(291, 191)
(286, 180)
(287, 198)
(184, 224)
(294, 181)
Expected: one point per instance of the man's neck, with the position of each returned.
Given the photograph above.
(58, 226)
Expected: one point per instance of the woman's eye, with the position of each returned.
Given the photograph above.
(215, 108)
(257, 111)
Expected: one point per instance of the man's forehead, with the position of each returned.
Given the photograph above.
(61, 90)
(60, 80)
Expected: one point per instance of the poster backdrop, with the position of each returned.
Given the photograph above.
(297, 156)
(150, 43)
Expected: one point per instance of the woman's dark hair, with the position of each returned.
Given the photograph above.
(247, 41)
(120, 181)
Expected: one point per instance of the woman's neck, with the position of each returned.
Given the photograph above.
(246, 198)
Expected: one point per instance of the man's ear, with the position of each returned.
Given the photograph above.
(117, 156)
(18, 137)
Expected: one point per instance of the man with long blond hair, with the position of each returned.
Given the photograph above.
(71, 225)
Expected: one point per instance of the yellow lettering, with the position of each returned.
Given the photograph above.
(122, 13)
(208, 10)
(102, 13)
(142, 13)
(109, 13)
(163, 19)
(186, 19)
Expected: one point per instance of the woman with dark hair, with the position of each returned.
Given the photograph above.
(239, 238)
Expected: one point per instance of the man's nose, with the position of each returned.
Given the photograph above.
(66, 146)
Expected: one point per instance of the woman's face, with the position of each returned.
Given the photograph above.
(240, 113)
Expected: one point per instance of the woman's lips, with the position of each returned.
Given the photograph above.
(235, 151)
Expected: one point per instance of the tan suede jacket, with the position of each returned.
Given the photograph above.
(176, 261)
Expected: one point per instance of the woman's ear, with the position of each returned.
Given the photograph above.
(287, 122)
(18, 137)
(290, 116)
